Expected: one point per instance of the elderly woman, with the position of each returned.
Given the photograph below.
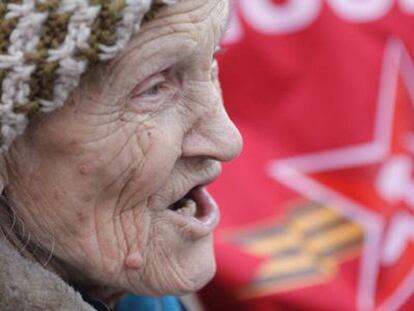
(112, 125)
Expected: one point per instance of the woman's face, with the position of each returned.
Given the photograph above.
(115, 181)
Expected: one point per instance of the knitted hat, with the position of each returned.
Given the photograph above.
(46, 45)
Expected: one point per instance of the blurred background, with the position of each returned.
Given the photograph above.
(317, 212)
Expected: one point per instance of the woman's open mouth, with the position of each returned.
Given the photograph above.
(186, 206)
(197, 210)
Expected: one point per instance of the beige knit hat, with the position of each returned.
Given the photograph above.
(46, 45)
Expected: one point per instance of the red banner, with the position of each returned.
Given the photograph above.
(318, 211)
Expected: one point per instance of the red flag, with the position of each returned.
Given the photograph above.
(318, 212)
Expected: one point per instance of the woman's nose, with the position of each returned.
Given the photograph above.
(214, 136)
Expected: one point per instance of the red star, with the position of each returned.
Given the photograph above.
(372, 184)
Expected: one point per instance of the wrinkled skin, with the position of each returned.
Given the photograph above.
(93, 180)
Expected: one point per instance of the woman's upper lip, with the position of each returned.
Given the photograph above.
(200, 183)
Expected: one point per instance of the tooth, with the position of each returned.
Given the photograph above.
(192, 208)
(189, 209)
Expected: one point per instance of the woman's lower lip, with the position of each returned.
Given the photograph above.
(207, 210)
(207, 216)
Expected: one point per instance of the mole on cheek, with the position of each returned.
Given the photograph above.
(134, 261)
(83, 169)
(81, 217)
(144, 138)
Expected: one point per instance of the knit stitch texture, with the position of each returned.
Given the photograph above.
(46, 45)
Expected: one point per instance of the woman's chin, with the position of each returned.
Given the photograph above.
(201, 270)
(197, 281)
(208, 274)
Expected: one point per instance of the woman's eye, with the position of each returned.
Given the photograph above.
(152, 87)
(152, 94)
(153, 91)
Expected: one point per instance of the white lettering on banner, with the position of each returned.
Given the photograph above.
(361, 10)
(270, 18)
(407, 6)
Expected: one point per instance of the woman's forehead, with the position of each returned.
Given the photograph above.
(187, 30)
(188, 18)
